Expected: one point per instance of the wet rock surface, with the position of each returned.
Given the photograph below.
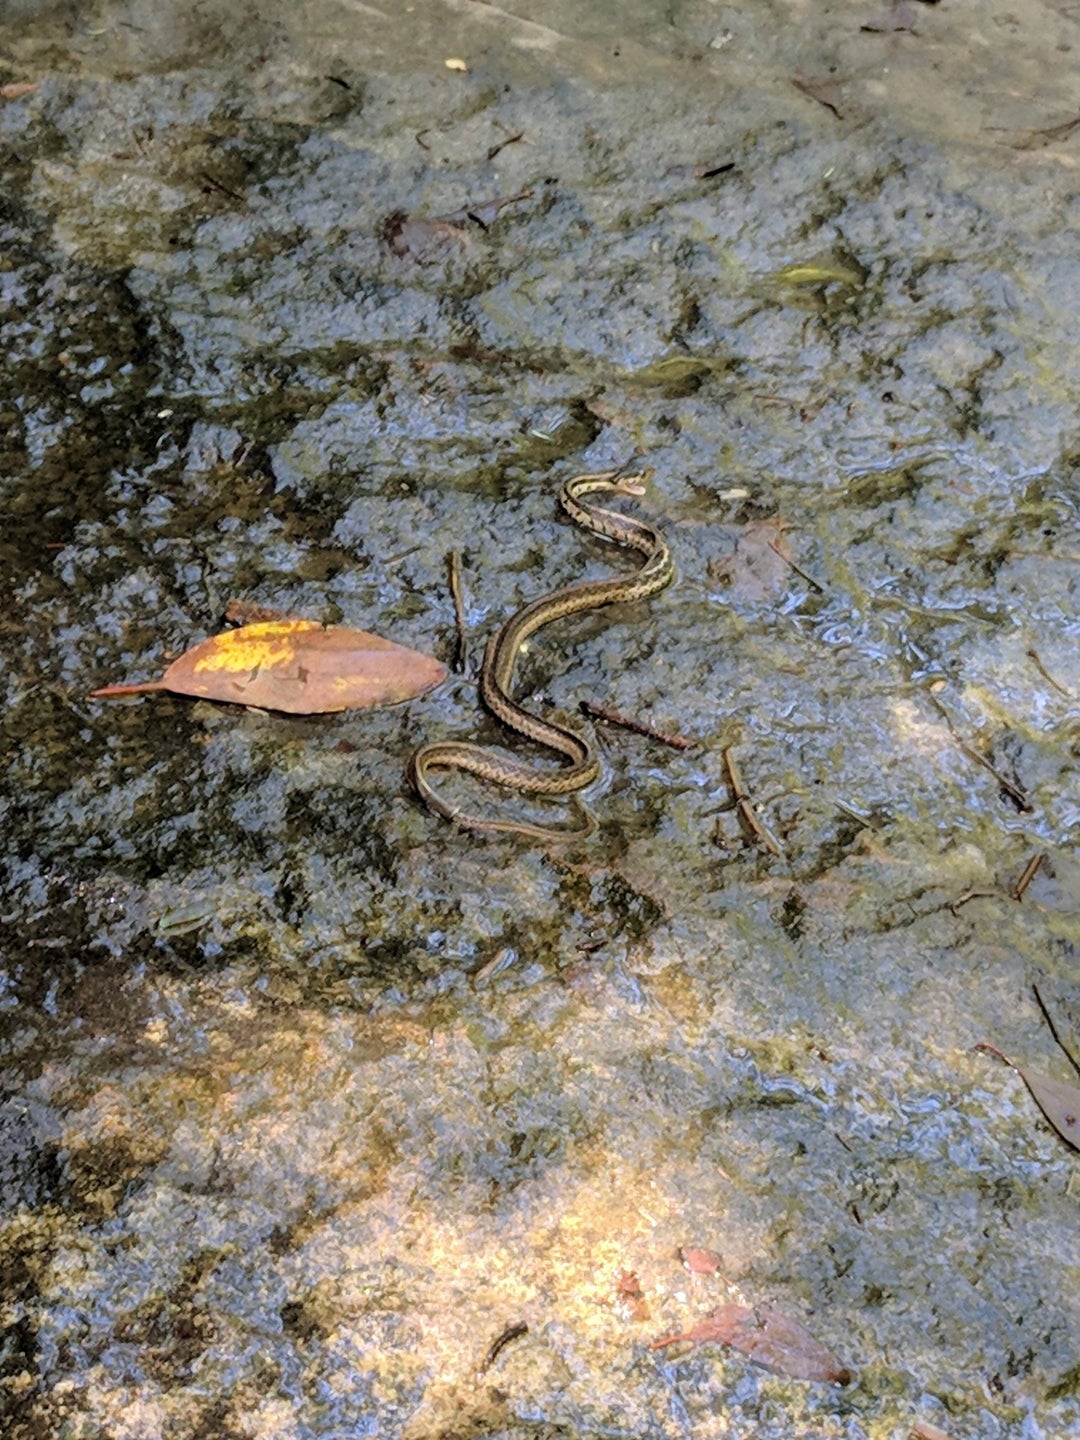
(307, 1096)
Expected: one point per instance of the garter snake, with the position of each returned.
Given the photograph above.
(497, 674)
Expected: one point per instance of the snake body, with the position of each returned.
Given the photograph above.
(496, 679)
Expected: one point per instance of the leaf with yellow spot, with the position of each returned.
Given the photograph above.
(297, 666)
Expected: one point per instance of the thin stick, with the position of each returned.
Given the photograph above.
(745, 808)
(1036, 139)
(986, 1048)
(454, 562)
(499, 1344)
(510, 140)
(1014, 793)
(814, 584)
(954, 905)
(1031, 869)
(665, 737)
(222, 189)
(1033, 656)
(709, 172)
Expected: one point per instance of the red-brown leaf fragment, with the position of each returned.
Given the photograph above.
(698, 1261)
(923, 1430)
(628, 1288)
(296, 666)
(768, 1339)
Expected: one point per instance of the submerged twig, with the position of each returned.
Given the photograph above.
(1031, 869)
(814, 584)
(499, 1344)
(1015, 794)
(954, 905)
(1000, 892)
(454, 564)
(214, 184)
(745, 807)
(1033, 656)
(1048, 135)
(710, 172)
(510, 140)
(665, 737)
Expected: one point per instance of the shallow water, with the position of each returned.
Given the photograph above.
(307, 1097)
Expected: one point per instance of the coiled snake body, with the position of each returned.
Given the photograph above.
(656, 571)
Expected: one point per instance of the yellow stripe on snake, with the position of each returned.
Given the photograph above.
(496, 678)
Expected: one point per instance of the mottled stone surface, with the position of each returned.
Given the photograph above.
(307, 1097)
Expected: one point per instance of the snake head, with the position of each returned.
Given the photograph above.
(633, 484)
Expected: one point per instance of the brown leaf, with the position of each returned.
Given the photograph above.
(17, 89)
(759, 568)
(825, 92)
(1058, 1100)
(424, 240)
(297, 666)
(923, 1430)
(699, 1262)
(768, 1339)
(428, 238)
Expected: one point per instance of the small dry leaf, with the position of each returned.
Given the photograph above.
(698, 1261)
(1058, 1100)
(297, 666)
(759, 568)
(17, 89)
(825, 92)
(425, 239)
(923, 1430)
(768, 1339)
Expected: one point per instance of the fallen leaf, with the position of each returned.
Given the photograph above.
(17, 89)
(923, 1430)
(825, 92)
(759, 569)
(425, 239)
(420, 238)
(297, 666)
(1059, 1100)
(768, 1339)
(699, 1262)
